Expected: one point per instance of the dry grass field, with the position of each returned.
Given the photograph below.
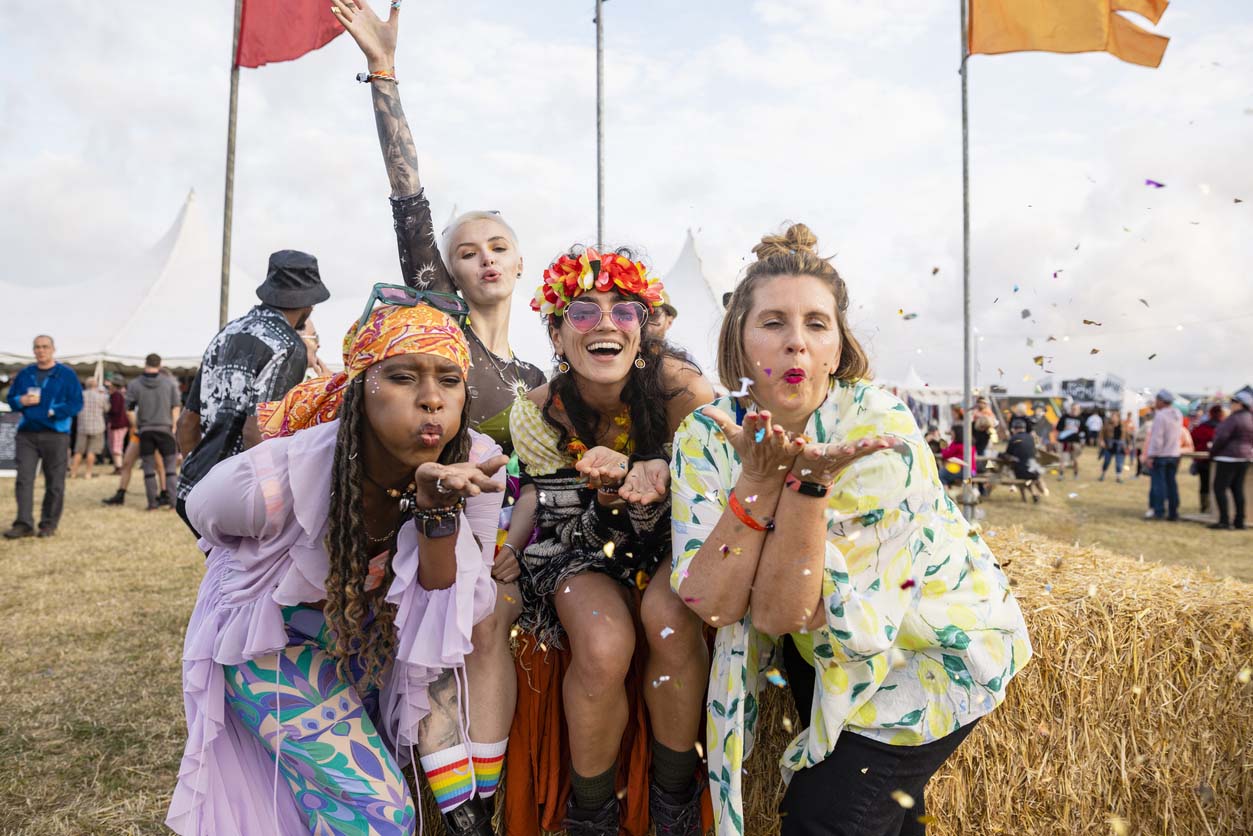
(91, 719)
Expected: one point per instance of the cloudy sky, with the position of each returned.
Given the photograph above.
(725, 117)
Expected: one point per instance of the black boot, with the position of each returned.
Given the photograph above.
(474, 818)
(602, 822)
(163, 500)
(675, 814)
(117, 498)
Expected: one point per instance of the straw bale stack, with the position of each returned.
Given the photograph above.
(1134, 717)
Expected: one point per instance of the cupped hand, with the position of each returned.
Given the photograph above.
(375, 36)
(506, 568)
(765, 449)
(602, 467)
(822, 463)
(440, 485)
(648, 482)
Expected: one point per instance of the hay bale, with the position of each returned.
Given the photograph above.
(1132, 712)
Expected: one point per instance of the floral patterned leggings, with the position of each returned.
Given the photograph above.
(331, 756)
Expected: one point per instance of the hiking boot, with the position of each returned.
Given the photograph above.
(474, 818)
(675, 814)
(18, 530)
(602, 822)
(117, 498)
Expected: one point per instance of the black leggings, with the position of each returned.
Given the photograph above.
(850, 792)
(1229, 476)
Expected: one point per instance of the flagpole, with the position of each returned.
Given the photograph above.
(600, 125)
(228, 204)
(968, 445)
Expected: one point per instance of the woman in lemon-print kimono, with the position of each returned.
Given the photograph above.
(890, 616)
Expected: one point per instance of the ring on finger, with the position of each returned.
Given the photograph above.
(439, 486)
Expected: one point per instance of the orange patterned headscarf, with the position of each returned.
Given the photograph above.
(391, 330)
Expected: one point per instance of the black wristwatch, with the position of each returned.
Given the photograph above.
(439, 522)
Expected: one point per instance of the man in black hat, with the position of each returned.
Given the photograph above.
(254, 359)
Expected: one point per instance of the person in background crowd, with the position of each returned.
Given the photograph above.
(1161, 457)
(1231, 451)
(117, 422)
(1141, 437)
(254, 359)
(1070, 437)
(315, 367)
(954, 457)
(661, 319)
(1093, 425)
(983, 425)
(1113, 440)
(1021, 450)
(152, 400)
(932, 438)
(130, 457)
(48, 395)
(1202, 433)
(89, 441)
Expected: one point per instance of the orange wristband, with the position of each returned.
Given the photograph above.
(733, 502)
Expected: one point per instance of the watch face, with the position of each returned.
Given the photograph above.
(442, 526)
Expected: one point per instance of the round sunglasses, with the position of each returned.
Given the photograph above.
(627, 316)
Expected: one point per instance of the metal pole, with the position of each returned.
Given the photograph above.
(228, 205)
(968, 493)
(600, 125)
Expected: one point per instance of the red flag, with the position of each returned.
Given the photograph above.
(281, 30)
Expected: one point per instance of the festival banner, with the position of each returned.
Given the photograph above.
(282, 30)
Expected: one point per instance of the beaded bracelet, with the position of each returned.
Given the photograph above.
(423, 514)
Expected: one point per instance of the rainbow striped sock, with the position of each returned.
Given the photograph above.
(489, 760)
(450, 775)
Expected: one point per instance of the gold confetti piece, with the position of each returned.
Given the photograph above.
(864, 770)
(700, 750)
(514, 631)
(935, 270)
(713, 618)
(787, 724)
(1092, 322)
(903, 798)
(608, 548)
(1119, 826)
(1245, 674)
(1137, 690)
(927, 818)
(1038, 360)
(1091, 590)
(1095, 351)
(621, 793)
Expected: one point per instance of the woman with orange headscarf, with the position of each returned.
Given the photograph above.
(347, 562)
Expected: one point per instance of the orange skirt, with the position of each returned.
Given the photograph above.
(537, 762)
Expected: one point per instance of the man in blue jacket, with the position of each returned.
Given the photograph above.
(48, 395)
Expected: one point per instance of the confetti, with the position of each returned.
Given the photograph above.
(1154, 184)
(641, 579)
(1073, 495)
(1137, 690)
(667, 632)
(903, 798)
(806, 572)
(907, 317)
(927, 818)
(1092, 322)
(659, 680)
(805, 471)
(767, 372)
(1057, 273)
(745, 382)
(1245, 675)
(1151, 356)
(1091, 590)
(700, 750)
(750, 499)
(864, 770)
(566, 591)
(787, 724)
(511, 599)
(759, 435)
(690, 600)
(900, 311)
(514, 631)
(608, 548)
(909, 583)
(1026, 313)
(1038, 360)
(1237, 200)
(1144, 302)
(1095, 351)
(725, 549)
(713, 618)
(775, 678)
(1015, 288)
(935, 270)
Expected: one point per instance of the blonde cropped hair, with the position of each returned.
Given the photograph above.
(794, 253)
(445, 237)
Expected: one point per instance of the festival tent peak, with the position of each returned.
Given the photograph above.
(163, 300)
(699, 306)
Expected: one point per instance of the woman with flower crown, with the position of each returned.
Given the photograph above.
(595, 441)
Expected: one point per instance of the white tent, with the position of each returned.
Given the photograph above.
(699, 307)
(165, 301)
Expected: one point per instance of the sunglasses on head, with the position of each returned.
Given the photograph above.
(408, 297)
(583, 316)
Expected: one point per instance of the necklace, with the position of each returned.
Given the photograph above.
(496, 360)
(394, 493)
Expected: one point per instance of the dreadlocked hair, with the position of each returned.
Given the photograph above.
(645, 393)
(348, 547)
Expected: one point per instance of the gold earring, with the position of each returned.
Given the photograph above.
(640, 362)
(563, 367)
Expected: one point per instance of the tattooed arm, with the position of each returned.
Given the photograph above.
(440, 729)
(399, 154)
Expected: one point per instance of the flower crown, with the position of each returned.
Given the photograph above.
(569, 277)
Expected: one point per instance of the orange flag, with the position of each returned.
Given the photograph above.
(998, 26)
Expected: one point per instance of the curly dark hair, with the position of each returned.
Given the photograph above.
(348, 548)
(645, 393)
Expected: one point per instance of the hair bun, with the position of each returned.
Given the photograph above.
(797, 239)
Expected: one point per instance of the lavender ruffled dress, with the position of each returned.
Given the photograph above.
(262, 516)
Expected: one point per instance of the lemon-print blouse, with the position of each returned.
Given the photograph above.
(922, 634)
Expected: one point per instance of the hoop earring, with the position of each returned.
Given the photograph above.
(640, 362)
(563, 367)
